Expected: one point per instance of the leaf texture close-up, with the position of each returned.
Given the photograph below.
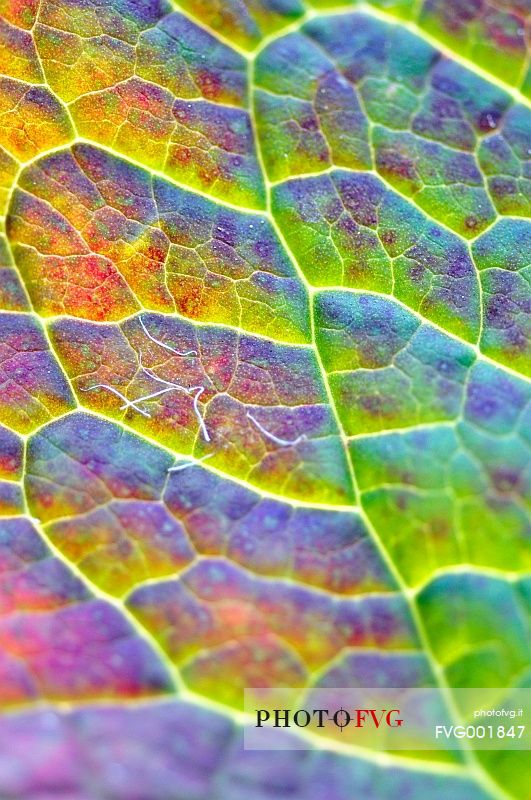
(265, 399)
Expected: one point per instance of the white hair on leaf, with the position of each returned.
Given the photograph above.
(163, 344)
(199, 391)
(180, 467)
(171, 386)
(126, 402)
(276, 439)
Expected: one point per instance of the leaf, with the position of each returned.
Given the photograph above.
(264, 395)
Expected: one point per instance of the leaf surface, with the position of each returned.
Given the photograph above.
(264, 385)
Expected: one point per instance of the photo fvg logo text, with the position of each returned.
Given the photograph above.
(321, 717)
(387, 718)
